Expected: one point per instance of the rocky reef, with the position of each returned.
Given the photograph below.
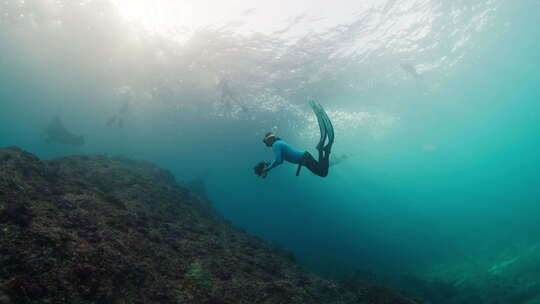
(100, 229)
(485, 276)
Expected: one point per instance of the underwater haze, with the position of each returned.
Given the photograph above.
(435, 106)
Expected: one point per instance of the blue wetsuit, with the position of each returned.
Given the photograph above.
(284, 151)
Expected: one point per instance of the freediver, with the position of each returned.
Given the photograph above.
(118, 119)
(284, 151)
(57, 133)
(228, 98)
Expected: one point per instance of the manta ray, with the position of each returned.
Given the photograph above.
(57, 133)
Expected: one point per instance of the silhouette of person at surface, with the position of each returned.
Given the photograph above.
(411, 70)
(228, 98)
(118, 119)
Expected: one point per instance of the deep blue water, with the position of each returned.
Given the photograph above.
(437, 104)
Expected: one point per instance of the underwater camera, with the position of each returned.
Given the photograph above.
(260, 167)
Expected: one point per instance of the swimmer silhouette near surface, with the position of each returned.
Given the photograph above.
(118, 119)
(411, 70)
(228, 98)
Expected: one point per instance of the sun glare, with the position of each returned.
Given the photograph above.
(156, 15)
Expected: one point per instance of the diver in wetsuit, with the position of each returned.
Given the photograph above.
(284, 151)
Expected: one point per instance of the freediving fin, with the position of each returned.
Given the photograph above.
(329, 130)
(325, 124)
(321, 123)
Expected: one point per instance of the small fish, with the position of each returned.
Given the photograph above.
(429, 148)
(111, 120)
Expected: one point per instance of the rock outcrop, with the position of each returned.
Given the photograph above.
(100, 229)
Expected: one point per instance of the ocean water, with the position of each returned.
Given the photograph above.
(435, 104)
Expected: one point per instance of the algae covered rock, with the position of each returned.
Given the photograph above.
(100, 229)
(200, 276)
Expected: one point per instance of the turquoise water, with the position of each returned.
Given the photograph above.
(435, 103)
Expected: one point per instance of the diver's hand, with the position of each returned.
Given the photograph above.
(264, 172)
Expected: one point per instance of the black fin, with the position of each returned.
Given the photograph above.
(329, 129)
(322, 127)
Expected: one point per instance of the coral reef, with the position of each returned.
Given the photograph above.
(99, 229)
(483, 276)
